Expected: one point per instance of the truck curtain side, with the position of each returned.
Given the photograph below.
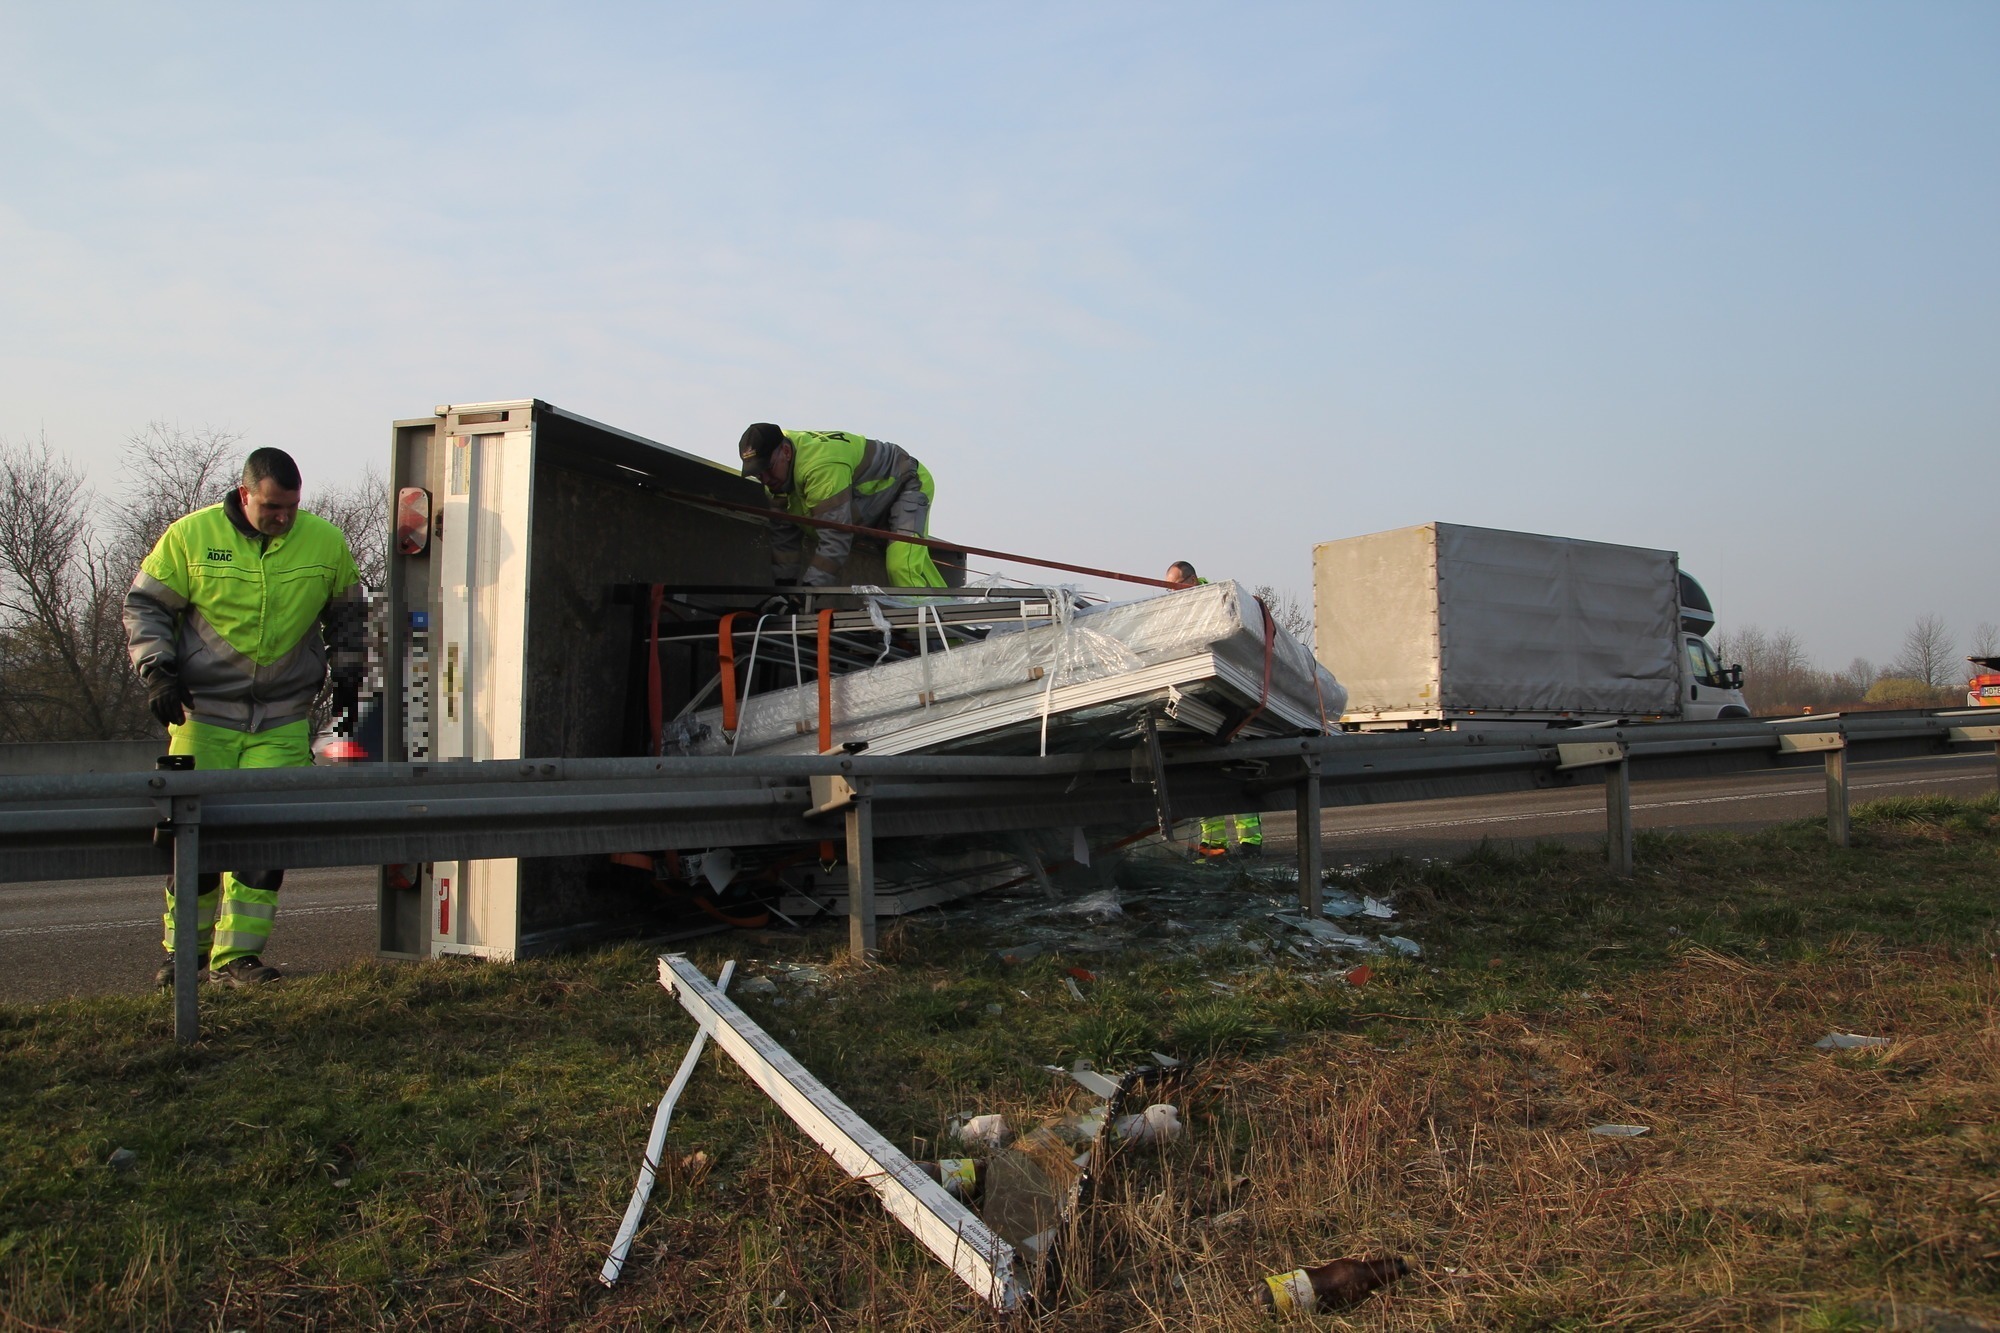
(1443, 623)
(514, 634)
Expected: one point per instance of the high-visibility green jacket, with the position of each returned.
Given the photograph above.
(238, 615)
(844, 477)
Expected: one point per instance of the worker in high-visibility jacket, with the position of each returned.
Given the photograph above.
(1215, 829)
(845, 478)
(231, 622)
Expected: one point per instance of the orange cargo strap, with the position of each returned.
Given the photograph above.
(725, 654)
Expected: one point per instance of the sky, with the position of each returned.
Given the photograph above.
(1136, 282)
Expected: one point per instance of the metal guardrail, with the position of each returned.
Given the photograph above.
(187, 823)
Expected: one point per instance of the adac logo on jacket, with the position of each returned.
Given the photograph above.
(215, 553)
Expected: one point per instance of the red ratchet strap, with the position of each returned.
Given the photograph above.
(908, 538)
(1264, 695)
(725, 653)
(653, 709)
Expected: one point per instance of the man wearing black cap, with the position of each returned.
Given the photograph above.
(845, 478)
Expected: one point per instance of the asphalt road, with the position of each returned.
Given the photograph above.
(103, 936)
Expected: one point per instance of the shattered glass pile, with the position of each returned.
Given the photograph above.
(1152, 896)
(1198, 657)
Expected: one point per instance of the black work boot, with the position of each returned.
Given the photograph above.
(164, 978)
(248, 970)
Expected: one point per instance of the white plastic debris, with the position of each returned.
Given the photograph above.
(1158, 1123)
(1848, 1041)
(757, 986)
(1076, 991)
(1325, 932)
(1620, 1131)
(1404, 945)
(1102, 905)
(984, 1131)
(1378, 909)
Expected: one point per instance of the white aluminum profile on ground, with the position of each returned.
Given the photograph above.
(946, 1227)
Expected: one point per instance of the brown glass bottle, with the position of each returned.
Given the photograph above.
(1331, 1286)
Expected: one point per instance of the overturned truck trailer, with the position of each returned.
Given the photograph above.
(561, 589)
(526, 541)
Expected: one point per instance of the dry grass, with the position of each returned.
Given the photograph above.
(450, 1147)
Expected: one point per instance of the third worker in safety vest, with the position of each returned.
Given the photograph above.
(231, 622)
(1215, 829)
(845, 478)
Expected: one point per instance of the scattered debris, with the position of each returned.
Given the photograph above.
(122, 1159)
(943, 1224)
(962, 1177)
(1357, 976)
(1848, 1041)
(1381, 911)
(1158, 1124)
(1102, 905)
(1620, 1131)
(757, 986)
(1020, 953)
(1076, 991)
(983, 1131)
(655, 1145)
(1404, 945)
(1331, 1286)
(1083, 974)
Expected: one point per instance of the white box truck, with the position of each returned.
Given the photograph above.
(1445, 625)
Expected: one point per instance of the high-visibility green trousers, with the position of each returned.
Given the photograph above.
(237, 907)
(1249, 831)
(910, 565)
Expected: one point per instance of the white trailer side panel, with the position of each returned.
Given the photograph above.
(1375, 618)
(1444, 621)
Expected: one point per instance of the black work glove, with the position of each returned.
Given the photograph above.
(164, 698)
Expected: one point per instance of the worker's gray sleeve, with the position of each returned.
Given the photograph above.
(787, 547)
(152, 617)
(832, 545)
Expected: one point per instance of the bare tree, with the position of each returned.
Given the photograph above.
(1927, 653)
(1291, 615)
(1985, 640)
(361, 510)
(61, 593)
(169, 472)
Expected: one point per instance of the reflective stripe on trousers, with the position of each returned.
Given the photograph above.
(1249, 830)
(236, 921)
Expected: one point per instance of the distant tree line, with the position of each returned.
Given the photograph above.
(68, 553)
(1929, 672)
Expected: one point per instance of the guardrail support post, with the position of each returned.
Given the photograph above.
(1836, 797)
(1309, 842)
(187, 918)
(1618, 817)
(861, 869)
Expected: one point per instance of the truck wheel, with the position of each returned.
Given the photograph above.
(1732, 712)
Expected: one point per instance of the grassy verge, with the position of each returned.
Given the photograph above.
(450, 1145)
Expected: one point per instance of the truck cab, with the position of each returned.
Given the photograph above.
(1713, 690)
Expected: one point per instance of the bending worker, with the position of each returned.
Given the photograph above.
(229, 622)
(846, 478)
(1215, 830)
